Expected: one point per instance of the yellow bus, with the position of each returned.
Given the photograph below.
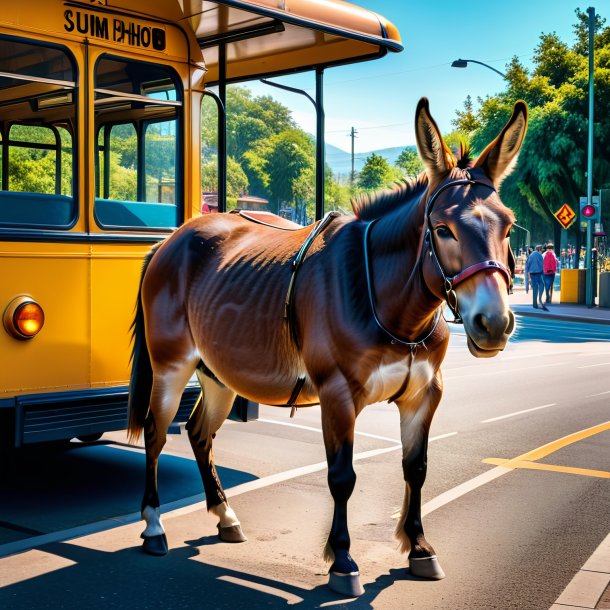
(82, 82)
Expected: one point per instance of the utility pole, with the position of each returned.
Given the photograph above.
(353, 136)
(590, 299)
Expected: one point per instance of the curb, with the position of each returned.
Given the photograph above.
(559, 316)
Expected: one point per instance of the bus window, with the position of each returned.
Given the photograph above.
(138, 112)
(37, 133)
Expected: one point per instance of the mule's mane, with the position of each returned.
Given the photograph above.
(374, 205)
(464, 157)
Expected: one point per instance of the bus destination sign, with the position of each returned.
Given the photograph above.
(114, 29)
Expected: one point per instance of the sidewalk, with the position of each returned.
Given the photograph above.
(521, 304)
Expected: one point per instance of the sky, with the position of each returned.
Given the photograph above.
(378, 98)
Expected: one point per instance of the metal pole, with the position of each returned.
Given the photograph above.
(588, 256)
(222, 128)
(353, 174)
(320, 152)
(527, 234)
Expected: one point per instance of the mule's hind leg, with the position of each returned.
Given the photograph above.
(207, 417)
(416, 410)
(167, 389)
(338, 420)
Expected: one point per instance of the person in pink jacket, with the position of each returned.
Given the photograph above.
(549, 269)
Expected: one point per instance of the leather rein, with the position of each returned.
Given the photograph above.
(449, 281)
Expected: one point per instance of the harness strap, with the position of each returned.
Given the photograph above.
(296, 265)
(413, 345)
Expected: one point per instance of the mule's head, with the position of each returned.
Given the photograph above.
(468, 258)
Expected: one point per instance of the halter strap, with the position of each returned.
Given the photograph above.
(450, 282)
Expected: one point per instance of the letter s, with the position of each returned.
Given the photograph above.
(69, 25)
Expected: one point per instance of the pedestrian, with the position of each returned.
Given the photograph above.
(534, 266)
(549, 268)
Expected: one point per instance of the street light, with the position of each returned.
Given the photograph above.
(463, 63)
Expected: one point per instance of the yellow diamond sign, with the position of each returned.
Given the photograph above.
(565, 215)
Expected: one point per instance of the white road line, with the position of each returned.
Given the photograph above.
(188, 505)
(511, 371)
(598, 394)
(290, 598)
(463, 489)
(312, 429)
(589, 583)
(487, 421)
(588, 366)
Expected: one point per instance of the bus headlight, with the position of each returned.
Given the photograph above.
(23, 318)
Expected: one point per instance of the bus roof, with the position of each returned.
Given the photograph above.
(270, 37)
(266, 37)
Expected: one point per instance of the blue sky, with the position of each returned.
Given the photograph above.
(379, 98)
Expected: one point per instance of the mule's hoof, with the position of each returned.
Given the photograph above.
(155, 545)
(231, 533)
(426, 567)
(346, 584)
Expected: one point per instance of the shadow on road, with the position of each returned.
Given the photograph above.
(132, 579)
(49, 489)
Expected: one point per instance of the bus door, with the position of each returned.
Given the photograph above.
(138, 125)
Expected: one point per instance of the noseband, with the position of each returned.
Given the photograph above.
(450, 282)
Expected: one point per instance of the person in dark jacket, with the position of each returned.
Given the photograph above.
(534, 266)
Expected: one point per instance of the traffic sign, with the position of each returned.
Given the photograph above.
(565, 215)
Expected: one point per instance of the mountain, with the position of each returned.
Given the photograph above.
(340, 161)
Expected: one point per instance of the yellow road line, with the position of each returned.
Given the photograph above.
(528, 460)
(552, 467)
(560, 443)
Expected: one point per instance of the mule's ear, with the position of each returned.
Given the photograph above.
(500, 157)
(435, 155)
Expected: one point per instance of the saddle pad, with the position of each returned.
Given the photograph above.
(268, 219)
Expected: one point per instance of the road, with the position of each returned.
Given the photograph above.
(508, 537)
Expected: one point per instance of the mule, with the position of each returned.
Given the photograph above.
(363, 323)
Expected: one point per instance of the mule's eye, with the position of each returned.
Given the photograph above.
(509, 233)
(443, 232)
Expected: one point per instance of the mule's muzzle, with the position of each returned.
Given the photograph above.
(488, 332)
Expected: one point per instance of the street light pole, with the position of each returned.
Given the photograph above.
(463, 63)
(588, 262)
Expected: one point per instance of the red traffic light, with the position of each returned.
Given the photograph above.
(588, 211)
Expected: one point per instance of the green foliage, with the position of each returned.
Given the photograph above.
(552, 165)
(410, 163)
(375, 174)
(466, 120)
(33, 170)
(237, 181)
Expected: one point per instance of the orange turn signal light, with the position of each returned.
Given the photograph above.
(23, 318)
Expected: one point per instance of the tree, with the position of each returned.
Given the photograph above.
(466, 120)
(409, 162)
(290, 155)
(237, 181)
(375, 174)
(553, 161)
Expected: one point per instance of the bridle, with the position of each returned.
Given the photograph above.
(449, 282)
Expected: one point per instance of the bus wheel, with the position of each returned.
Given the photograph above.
(90, 438)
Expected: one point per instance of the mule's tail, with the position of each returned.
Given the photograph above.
(140, 383)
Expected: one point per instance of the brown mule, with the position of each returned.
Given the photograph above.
(368, 297)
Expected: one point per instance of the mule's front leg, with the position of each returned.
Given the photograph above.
(416, 411)
(338, 419)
